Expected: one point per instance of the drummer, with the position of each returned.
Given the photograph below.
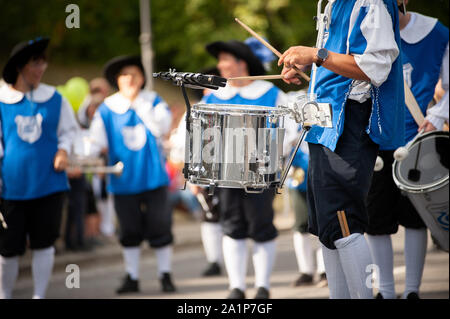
(422, 36)
(244, 215)
(130, 124)
(360, 75)
(37, 128)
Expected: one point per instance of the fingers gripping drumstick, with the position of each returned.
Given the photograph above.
(271, 48)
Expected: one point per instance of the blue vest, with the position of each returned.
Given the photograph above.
(422, 63)
(267, 99)
(30, 143)
(386, 124)
(132, 143)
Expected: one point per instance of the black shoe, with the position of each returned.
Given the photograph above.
(323, 282)
(303, 280)
(166, 283)
(262, 293)
(379, 296)
(212, 270)
(128, 285)
(412, 295)
(236, 293)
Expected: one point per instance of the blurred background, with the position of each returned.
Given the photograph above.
(180, 29)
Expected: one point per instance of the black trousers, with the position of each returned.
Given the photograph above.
(144, 216)
(386, 205)
(340, 180)
(76, 210)
(38, 220)
(244, 215)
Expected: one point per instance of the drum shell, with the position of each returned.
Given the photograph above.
(235, 146)
(433, 209)
(430, 200)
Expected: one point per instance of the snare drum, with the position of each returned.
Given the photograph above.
(423, 176)
(235, 146)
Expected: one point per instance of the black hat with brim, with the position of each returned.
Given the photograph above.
(20, 55)
(241, 51)
(113, 67)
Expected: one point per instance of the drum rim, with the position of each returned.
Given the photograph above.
(239, 109)
(421, 188)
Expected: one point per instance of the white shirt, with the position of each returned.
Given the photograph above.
(381, 51)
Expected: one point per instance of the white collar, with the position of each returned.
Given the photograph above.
(120, 104)
(41, 94)
(418, 27)
(252, 91)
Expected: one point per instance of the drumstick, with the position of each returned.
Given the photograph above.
(257, 77)
(271, 48)
(2, 221)
(343, 223)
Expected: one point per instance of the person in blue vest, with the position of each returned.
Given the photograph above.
(359, 72)
(425, 60)
(244, 215)
(37, 129)
(307, 248)
(130, 124)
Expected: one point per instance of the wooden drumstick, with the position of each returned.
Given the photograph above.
(257, 77)
(2, 221)
(343, 223)
(271, 48)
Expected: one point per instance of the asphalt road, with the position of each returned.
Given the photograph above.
(101, 272)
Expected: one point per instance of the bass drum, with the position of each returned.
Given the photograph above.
(423, 177)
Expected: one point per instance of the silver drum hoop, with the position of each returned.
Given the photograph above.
(404, 185)
(237, 109)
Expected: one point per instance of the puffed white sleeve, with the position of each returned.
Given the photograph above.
(157, 118)
(371, 40)
(438, 114)
(67, 127)
(97, 135)
(178, 141)
(291, 127)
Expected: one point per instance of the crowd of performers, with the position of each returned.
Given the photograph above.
(371, 46)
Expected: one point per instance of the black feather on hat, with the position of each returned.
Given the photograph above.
(239, 50)
(113, 67)
(21, 54)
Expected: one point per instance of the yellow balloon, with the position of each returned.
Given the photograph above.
(75, 91)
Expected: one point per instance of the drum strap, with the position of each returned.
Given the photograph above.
(412, 105)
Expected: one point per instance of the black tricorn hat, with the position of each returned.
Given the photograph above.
(239, 50)
(113, 67)
(21, 54)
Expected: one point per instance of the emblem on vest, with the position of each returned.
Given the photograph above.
(29, 128)
(407, 73)
(134, 137)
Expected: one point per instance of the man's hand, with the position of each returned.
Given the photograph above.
(194, 189)
(298, 56)
(427, 126)
(61, 160)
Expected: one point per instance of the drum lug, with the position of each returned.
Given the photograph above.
(259, 191)
(212, 188)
